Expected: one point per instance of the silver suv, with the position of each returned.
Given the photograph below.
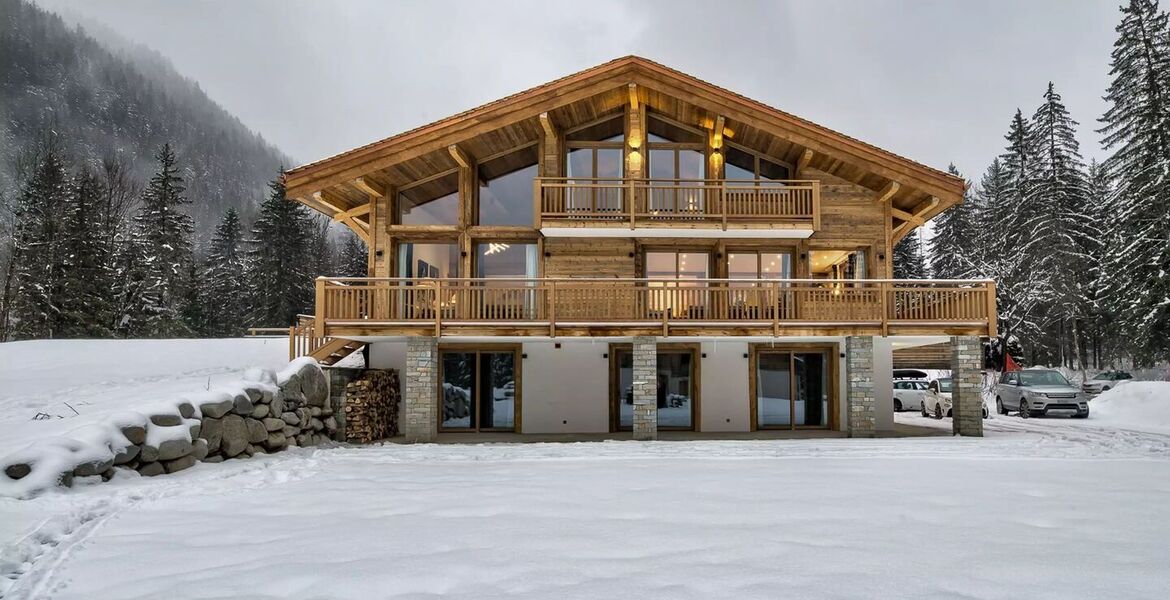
(1039, 392)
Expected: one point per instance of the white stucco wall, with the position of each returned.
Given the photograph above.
(883, 382)
(566, 389)
(724, 400)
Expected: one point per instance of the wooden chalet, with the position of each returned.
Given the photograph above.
(528, 255)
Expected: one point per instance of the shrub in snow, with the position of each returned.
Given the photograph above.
(265, 412)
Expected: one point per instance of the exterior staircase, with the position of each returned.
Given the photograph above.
(327, 350)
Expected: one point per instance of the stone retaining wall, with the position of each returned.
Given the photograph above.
(267, 412)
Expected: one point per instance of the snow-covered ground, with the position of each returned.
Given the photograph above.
(1040, 508)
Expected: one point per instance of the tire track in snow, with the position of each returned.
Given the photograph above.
(41, 554)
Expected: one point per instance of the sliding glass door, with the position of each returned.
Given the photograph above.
(676, 382)
(791, 389)
(479, 389)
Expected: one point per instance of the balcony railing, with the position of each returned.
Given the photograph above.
(551, 307)
(716, 202)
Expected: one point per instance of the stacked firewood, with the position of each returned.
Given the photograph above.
(371, 407)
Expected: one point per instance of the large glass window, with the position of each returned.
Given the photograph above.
(752, 264)
(505, 188)
(675, 275)
(739, 165)
(837, 264)
(792, 389)
(675, 379)
(678, 164)
(505, 294)
(433, 260)
(479, 390)
(433, 202)
(593, 163)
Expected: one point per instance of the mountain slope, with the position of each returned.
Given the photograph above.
(101, 102)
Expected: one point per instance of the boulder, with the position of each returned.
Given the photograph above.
(291, 418)
(148, 454)
(304, 416)
(277, 403)
(330, 425)
(212, 431)
(275, 441)
(185, 462)
(290, 431)
(305, 439)
(93, 467)
(109, 473)
(292, 441)
(256, 431)
(326, 411)
(17, 470)
(166, 420)
(314, 411)
(196, 428)
(314, 385)
(316, 424)
(235, 435)
(213, 459)
(255, 394)
(172, 449)
(243, 405)
(187, 410)
(291, 386)
(151, 469)
(273, 424)
(322, 439)
(260, 411)
(257, 449)
(217, 408)
(199, 449)
(135, 433)
(127, 454)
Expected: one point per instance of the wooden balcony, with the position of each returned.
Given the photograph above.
(677, 203)
(371, 307)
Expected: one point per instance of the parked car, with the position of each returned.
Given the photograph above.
(908, 394)
(937, 401)
(1104, 381)
(1039, 392)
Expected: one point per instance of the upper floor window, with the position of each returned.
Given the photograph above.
(745, 166)
(505, 188)
(430, 202)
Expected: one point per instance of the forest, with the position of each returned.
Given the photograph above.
(1080, 253)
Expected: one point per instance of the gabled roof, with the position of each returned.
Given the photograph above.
(342, 168)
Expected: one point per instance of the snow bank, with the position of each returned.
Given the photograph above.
(1139, 405)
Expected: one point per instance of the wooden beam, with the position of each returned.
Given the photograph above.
(633, 96)
(905, 216)
(888, 192)
(717, 133)
(319, 198)
(370, 187)
(550, 129)
(357, 211)
(802, 162)
(460, 156)
(915, 218)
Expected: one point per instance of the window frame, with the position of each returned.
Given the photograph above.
(695, 351)
(517, 378)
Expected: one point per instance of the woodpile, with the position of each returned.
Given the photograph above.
(371, 407)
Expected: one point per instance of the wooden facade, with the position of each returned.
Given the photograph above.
(587, 184)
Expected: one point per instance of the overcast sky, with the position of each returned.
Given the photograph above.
(936, 81)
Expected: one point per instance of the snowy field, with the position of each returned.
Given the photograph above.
(1040, 508)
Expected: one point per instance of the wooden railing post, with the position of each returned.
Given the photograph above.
(723, 202)
(775, 309)
(883, 289)
(552, 309)
(631, 200)
(319, 308)
(992, 317)
(438, 299)
(292, 342)
(816, 205)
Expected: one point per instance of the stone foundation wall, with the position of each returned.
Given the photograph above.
(645, 384)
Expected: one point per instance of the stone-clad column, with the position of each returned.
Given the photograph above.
(967, 385)
(420, 389)
(859, 391)
(645, 377)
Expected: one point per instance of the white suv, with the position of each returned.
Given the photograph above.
(937, 402)
(908, 394)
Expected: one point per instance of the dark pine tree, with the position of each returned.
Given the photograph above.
(162, 245)
(224, 282)
(35, 275)
(909, 262)
(1137, 130)
(87, 303)
(954, 249)
(354, 259)
(279, 261)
